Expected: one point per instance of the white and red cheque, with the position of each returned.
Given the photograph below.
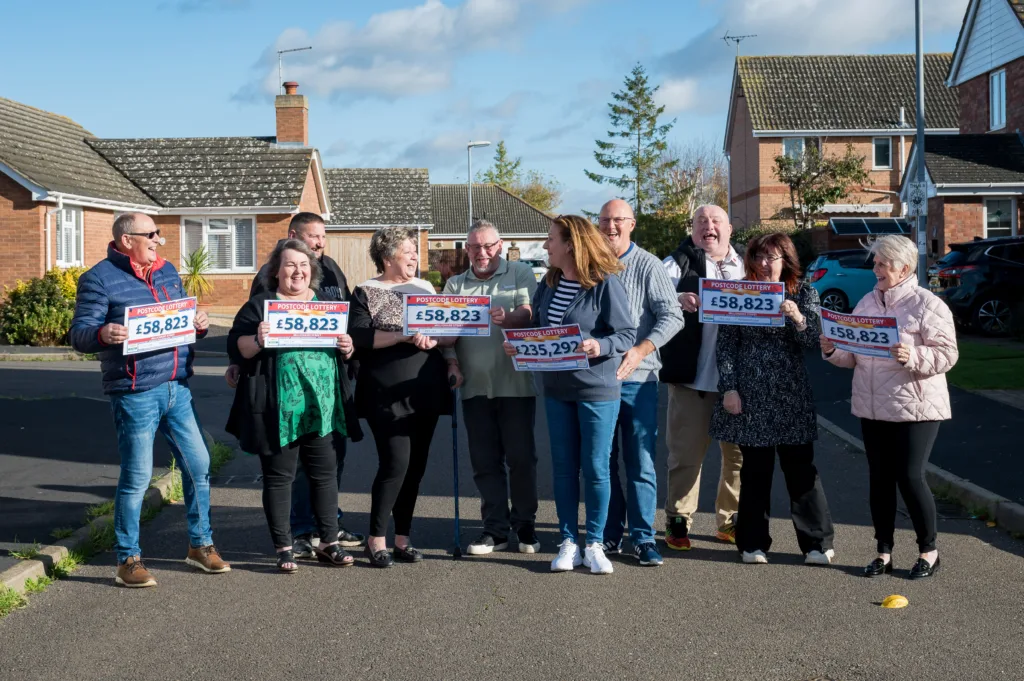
(869, 336)
(742, 303)
(550, 348)
(304, 324)
(447, 315)
(159, 326)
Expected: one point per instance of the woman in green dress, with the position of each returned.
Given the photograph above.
(289, 403)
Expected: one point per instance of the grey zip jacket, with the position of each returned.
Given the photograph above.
(603, 314)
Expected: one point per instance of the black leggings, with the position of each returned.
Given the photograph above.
(321, 465)
(807, 504)
(897, 453)
(402, 448)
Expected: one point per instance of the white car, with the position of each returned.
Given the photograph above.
(539, 267)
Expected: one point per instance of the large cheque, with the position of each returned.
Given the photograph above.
(159, 326)
(742, 303)
(551, 348)
(301, 324)
(447, 315)
(870, 336)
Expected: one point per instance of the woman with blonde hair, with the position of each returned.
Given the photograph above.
(582, 405)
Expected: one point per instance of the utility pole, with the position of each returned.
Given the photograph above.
(280, 73)
(922, 213)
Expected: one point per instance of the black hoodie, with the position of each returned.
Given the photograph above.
(679, 355)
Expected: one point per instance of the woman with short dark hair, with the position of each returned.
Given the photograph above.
(767, 408)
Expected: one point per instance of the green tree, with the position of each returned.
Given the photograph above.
(636, 144)
(815, 180)
(505, 171)
(534, 187)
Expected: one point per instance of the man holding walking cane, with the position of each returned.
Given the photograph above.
(498, 403)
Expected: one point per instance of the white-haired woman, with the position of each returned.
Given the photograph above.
(901, 399)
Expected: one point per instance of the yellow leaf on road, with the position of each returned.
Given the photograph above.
(895, 601)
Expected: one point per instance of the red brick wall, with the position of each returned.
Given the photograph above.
(974, 112)
(744, 168)
(310, 201)
(962, 220)
(21, 234)
(97, 225)
(292, 118)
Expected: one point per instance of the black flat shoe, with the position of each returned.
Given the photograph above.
(333, 555)
(877, 568)
(410, 554)
(922, 568)
(381, 559)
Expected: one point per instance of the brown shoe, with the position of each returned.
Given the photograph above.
(133, 574)
(207, 559)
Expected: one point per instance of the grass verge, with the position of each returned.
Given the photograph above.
(37, 585)
(10, 600)
(988, 367)
(100, 510)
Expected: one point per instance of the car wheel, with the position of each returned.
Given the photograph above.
(992, 317)
(835, 301)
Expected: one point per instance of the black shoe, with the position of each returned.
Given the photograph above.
(381, 559)
(877, 568)
(922, 568)
(350, 539)
(528, 542)
(486, 543)
(334, 555)
(302, 547)
(410, 554)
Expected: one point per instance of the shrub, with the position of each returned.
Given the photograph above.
(801, 239)
(661, 234)
(39, 311)
(434, 277)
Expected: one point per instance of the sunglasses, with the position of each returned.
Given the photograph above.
(148, 235)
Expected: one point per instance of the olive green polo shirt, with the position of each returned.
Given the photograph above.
(487, 370)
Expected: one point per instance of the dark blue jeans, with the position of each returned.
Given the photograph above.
(302, 520)
(638, 425)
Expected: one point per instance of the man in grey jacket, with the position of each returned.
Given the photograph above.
(656, 312)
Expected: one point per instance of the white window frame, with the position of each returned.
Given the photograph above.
(1014, 230)
(997, 100)
(231, 230)
(799, 140)
(78, 227)
(874, 159)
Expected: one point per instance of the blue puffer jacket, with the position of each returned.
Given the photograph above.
(103, 294)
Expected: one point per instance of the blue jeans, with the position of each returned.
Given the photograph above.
(638, 423)
(581, 440)
(302, 520)
(137, 417)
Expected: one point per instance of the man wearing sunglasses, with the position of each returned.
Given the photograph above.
(148, 392)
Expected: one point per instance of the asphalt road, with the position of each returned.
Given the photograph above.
(703, 615)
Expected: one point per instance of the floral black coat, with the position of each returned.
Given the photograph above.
(766, 367)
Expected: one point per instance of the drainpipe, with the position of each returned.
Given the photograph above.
(52, 211)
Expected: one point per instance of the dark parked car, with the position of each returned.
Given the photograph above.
(985, 286)
(842, 278)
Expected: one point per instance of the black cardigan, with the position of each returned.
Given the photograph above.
(254, 417)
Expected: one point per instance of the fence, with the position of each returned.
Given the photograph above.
(448, 261)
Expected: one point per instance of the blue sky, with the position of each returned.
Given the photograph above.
(406, 84)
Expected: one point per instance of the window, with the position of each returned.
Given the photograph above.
(794, 147)
(69, 237)
(230, 241)
(999, 218)
(997, 100)
(856, 261)
(883, 153)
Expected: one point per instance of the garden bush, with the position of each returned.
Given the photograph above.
(801, 239)
(434, 277)
(39, 311)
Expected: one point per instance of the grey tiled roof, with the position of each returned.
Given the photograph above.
(509, 213)
(845, 92)
(211, 171)
(379, 196)
(50, 151)
(975, 159)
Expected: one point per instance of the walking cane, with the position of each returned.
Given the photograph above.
(457, 549)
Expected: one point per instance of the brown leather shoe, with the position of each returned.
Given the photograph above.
(207, 559)
(133, 574)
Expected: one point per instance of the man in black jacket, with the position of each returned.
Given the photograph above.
(689, 367)
(310, 229)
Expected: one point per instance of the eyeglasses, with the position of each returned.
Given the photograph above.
(148, 235)
(769, 258)
(482, 247)
(616, 221)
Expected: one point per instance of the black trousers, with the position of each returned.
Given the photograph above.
(807, 504)
(402, 448)
(321, 465)
(897, 453)
(500, 432)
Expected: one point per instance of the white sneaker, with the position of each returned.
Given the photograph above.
(755, 557)
(568, 557)
(819, 558)
(595, 559)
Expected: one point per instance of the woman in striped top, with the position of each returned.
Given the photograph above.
(582, 405)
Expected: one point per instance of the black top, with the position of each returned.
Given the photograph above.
(679, 355)
(254, 417)
(333, 283)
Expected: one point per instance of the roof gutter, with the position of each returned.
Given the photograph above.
(227, 210)
(363, 228)
(851, 132)
(61, 198)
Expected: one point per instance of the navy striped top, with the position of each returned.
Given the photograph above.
(564, 294)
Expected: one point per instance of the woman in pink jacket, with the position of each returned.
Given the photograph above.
(901, 399)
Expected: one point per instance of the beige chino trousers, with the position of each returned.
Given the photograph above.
(689, 418)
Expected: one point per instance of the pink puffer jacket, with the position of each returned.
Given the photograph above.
(885, 390)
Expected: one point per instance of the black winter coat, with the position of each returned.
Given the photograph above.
(679, 355)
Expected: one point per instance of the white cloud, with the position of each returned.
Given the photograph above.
(447, 150)
(677, 95)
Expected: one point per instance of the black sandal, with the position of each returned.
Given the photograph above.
(410, 554)
(284, 558)
(333, 554)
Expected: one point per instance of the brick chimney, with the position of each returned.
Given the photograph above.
(292, 116)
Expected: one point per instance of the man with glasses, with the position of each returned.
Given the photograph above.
(691, 371)
(652, 302)
(148, 392)
(498, 403)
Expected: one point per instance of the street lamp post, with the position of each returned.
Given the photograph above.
(469, 175)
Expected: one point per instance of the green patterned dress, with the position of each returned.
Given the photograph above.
(309, 400)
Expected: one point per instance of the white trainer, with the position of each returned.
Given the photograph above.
(568, 557)
(819, 558)
(595, 559)
(755, 557)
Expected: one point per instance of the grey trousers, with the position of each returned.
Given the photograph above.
(500, 433)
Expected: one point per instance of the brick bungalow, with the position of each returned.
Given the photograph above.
(976, 179)
(61, 188)
(780, 105)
